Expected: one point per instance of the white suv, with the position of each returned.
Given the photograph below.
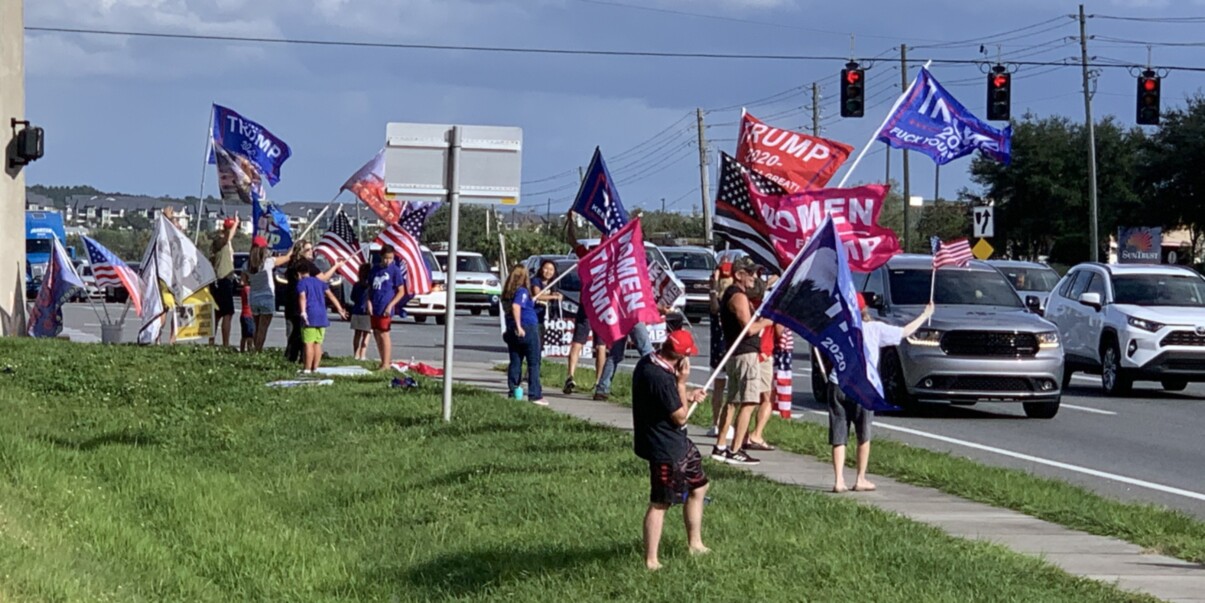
(1132, 322)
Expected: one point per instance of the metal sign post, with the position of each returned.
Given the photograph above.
(436, 162)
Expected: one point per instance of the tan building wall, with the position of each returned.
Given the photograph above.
(12, 181)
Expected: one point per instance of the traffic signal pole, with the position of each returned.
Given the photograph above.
(1094, 254)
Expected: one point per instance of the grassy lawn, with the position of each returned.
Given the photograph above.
(1159, 529)
(173, 474)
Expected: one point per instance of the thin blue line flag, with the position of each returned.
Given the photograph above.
(59, 282)
(597, 199)
(816, 298)
(929, 120)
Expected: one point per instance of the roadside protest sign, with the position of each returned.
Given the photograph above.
(195, 316)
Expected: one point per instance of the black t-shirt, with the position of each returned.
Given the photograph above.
(733, 327)
(654, 400)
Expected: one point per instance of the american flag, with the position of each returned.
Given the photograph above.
(955, 253)
(110, 271)
(784, 350)
(414, 216)
(339, 242)
(598, 201)
(737, 216)
(418, 276)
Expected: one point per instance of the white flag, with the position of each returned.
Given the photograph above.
(173, 260)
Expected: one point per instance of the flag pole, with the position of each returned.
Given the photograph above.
(204, 170)
(874, 135)
(310, 226)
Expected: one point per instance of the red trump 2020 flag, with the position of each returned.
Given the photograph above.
(794, 161)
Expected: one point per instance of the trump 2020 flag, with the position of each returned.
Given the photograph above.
(816, 298)
(616, 291)
(597, 199)
(46, 317)
(240, 135)
(929, 120)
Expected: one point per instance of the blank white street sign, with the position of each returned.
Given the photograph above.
(983, 226)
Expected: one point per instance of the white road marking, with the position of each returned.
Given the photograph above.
(1093, 378)
(1086, 409)
(1041, 461)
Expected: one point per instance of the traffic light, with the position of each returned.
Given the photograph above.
(999, 94)
(853, 90)
(1148, 98)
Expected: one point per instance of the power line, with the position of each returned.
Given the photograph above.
(988, 39)
(527, 50)
(1173, 20)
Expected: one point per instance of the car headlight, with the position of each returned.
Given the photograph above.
(1145, 325)
(1048, 340)
(925, 337)
(492, 283)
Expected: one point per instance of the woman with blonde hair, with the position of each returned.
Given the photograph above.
(522, 335)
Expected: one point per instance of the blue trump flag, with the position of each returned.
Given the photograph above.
(597, 200)
(46, 317)
(272, 224)
(816, 298)
(240, 135)
(929, 120)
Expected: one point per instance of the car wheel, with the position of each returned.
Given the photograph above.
(1041, 410)
(894, 387)
(494, 311)
(420, 318)
(1067, 373)
(694, 320)
(475, 311)
(1174, 385)
(442, 319)
(1113, 378)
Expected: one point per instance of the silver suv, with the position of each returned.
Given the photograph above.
(981, 345)
(1131, 322)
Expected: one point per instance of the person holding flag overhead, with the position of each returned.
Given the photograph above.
(221, 255)
(598, 201)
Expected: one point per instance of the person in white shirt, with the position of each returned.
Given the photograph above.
(843, 411)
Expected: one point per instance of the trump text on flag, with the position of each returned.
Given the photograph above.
(793, 160)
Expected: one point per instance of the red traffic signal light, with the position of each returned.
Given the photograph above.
(999, 94)
(853, 90)
(999, 80)
(853, 76)
(1148, 98)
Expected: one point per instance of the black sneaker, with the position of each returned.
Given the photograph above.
(740, 458)
(602, 397)
(719, 454)
(569, 385)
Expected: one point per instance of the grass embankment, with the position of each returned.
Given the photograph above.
(1159, 529)
(173, 474)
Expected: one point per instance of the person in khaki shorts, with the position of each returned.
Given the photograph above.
(746, 380)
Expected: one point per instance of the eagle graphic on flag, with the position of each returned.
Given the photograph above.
(598, 201)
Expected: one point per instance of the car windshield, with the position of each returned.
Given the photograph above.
(1031, 279)
(37, 246)
(429, 258)
(689, 260)
(1159, 290)
(466, 263)
(653, 255)
(954, 287)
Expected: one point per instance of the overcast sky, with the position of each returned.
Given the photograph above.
(130, 115)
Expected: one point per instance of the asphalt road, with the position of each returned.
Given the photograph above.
(1148, 447)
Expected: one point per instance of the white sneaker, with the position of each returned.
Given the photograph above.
(540, 402)
(713, 432)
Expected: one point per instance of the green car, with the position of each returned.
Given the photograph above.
(477, 288)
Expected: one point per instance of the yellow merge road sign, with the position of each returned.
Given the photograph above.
(983, 250)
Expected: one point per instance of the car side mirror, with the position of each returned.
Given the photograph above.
(1092, 300)
(1034, 303)
(676, 266)
(873, 300)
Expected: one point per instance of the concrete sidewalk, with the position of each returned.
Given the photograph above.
(1078, 553)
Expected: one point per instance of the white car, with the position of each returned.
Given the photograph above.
(434, 303)
(477, 289)
(1138, 322)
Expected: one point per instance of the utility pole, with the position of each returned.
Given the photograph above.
(703, 180)
(937, 182)
(815, 108)
(663, 205)
(907, 181)
(548, 214)
(1083, 46)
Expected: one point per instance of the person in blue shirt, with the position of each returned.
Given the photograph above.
(361, 326)
(387, 287)
(522, 334)
(312, 295)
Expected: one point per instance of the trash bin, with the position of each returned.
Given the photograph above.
(110, 333)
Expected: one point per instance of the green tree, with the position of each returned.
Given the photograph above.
(943, 219)
(1172, 176)
(1042, 196)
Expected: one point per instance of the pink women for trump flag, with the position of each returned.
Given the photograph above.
(616, 292)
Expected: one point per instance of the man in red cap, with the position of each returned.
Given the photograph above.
(659, 408)
(842, 411)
